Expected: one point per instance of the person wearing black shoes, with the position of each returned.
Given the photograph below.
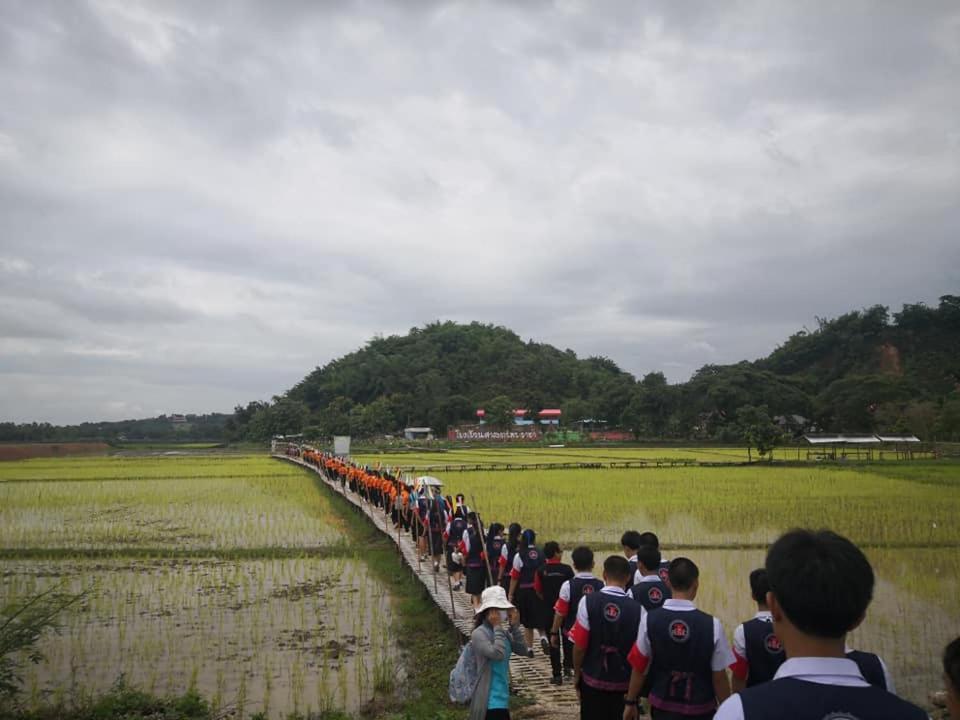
(565, 609)
(547, 582)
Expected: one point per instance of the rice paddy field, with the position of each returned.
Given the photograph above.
(226, 575)
(231, 574)
(905, 515)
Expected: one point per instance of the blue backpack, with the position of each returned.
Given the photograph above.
(464, 676)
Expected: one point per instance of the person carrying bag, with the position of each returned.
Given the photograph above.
(495, 636)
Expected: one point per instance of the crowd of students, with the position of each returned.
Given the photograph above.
(634, 638)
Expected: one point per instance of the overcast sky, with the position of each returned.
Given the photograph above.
(201, 201)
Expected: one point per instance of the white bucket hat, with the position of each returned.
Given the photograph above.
(494, 597)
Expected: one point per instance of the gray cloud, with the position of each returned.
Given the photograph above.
(199, 202)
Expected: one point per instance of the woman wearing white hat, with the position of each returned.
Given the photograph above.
(492, 644)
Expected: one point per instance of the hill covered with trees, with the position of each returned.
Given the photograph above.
(867, 370)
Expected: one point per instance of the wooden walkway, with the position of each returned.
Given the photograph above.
(530, 675)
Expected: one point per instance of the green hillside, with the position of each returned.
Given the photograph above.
(863, 371)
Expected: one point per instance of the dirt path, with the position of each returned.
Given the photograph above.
(531, 675)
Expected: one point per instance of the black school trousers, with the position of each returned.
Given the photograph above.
(600, 704)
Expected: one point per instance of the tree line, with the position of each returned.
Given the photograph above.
(865, 371)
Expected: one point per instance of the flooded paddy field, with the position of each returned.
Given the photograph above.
(196, 503)
(905, 515)
(275, 636)
(231, 576)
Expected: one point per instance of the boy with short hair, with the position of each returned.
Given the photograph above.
(757, 650)
(630, 541)
(568, 601)
(547, 581)
(683, 650)
(650, 538)
(648, 589)
(820, 587)
(602, 636)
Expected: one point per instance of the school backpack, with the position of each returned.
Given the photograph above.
(464, 676)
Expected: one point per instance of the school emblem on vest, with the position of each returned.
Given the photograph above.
(587, 589)
(654, 595)
(611, 612)
(679, 631)
(772, 643)
(532, 555)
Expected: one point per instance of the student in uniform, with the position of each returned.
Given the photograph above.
(525, 564)
(951, 677)
(648, 589)
(565, 609)
(453, 534)
(606, 624)
(820, 587)
(630, 541)
(650, 538)
(507, 554)
(494, 547)
(547, 582)
(437, 521)
(684, 652)
(471, 545)
(757, 651)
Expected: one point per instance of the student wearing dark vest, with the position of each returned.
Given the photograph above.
(648, 589)
(649, 538)
(525, 564)
(507, 554)
(820, 587)
(684, 652)
(453, 534)
(568, 600)
(757, 651)
(474, 559)
(547, 582)
(630, 542)
(602, 636)
(494, 543)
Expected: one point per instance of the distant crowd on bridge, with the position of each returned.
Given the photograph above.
(633, 639)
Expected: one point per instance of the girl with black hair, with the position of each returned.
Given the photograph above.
(508, 553)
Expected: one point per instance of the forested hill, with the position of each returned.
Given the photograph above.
(865, 370)
(440, 374)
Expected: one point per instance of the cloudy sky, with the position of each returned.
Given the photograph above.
(201, 201)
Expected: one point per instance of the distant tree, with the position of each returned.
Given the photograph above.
(285, 417)
(757, 430)
(498, 412)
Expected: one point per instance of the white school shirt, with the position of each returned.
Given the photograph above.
(583, 620)
(740, 637)
(638, 578)
(722, 657)
(825, 671)
(564, 596)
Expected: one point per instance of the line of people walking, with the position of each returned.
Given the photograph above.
(634, 640)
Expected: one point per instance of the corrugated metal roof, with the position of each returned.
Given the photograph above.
(899, 438)
(841, 439)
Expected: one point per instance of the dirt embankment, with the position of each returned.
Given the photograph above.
(22, 451)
